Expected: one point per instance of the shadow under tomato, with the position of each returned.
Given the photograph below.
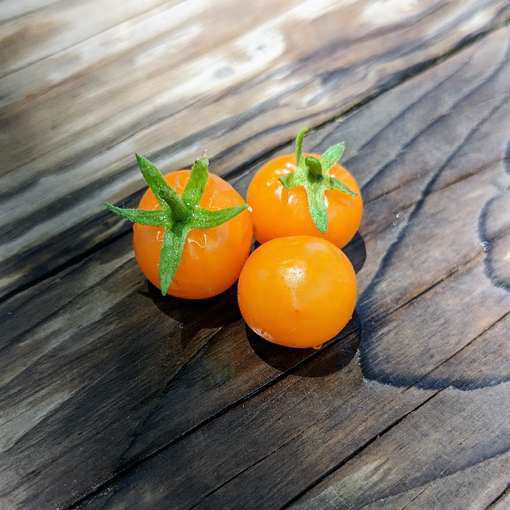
(194, 315)
(356, 252)
(334, 355)
(197, 314)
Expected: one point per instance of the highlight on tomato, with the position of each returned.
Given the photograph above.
(306, 194)
(191, 233)
(297, 291)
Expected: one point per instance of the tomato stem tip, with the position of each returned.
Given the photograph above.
(313, 174)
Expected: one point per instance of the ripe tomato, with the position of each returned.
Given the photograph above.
(207, 259)
(315, 205)
(297, 291)
(212, 258)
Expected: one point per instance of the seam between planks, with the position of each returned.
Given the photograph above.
(356, 452)
(458, 351)
(498, 498)
(216, 489)
(415, 498)
(119, 475)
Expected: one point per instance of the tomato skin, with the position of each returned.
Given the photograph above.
(212, 258)
(281, 212)
(297, 291)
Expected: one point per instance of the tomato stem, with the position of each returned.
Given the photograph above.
(299, 145)
(178, 213)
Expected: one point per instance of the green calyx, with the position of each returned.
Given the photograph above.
(179, 213)
(313, 174)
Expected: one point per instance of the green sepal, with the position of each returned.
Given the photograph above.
(179, 214)
(317, 205)
(196, 184)
(331, 156)
(171, 252)
(334, 183)
(153, 178)
(203, 218)
(153, 218)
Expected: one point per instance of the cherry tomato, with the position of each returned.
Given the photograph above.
(212, 258)
(297, 291)
(280, 210)
(200, 262)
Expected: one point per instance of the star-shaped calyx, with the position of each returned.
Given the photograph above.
(313, 174)
(178, 213)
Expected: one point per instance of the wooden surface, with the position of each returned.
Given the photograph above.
(113, 397)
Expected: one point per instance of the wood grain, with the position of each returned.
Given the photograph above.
(168, 404)
(426, 454)
(38, 29)
(79, 99)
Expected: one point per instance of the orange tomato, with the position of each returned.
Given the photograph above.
(280, 212)
(297, 291)
(212, 258)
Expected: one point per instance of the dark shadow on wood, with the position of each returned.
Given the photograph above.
(494, 242)
(196, 314)
(342, 349)
(356, 252)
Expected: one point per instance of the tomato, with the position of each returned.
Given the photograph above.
(208, 245)
(297, 291)
(326, 204)
(212, 258)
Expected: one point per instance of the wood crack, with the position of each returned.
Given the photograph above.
(415, 498)
(464, 347)
(499, 498)
(358, 451)
(216, 489)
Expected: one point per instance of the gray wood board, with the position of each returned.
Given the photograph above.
(168, 404)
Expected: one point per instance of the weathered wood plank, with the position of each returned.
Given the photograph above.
(428, 453)
(472, 487)
(281, 441)
(36, 29)
(163, 30)
(59, 167)
(12, 10)
(266, 477)
(104, 375)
